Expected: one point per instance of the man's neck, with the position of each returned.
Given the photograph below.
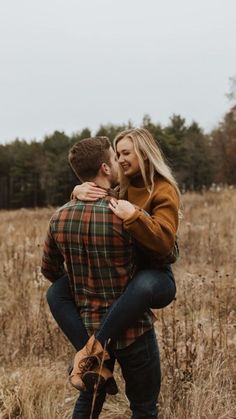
(102, 182)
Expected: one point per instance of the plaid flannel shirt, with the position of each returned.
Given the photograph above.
(89, 240)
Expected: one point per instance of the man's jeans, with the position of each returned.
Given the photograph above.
(140, 365)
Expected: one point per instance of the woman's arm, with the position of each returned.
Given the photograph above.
(157, 231)
(88, 191)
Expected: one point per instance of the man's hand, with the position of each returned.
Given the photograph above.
(88, 191)
(123, 209)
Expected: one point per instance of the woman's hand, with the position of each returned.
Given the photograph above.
(123, 209)
(88, 191)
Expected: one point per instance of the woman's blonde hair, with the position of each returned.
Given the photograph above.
(146, 149)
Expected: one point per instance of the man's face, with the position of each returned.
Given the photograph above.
(114, 166)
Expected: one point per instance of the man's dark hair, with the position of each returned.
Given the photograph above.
(87, 156)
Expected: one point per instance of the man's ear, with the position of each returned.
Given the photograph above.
(105, 169)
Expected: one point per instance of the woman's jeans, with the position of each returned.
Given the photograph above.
(148, 289)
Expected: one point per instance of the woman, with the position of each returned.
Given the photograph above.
(150, 214)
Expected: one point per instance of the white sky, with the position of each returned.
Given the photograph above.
(71, 64)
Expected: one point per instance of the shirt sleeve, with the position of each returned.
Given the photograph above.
(157, 231)
(52, 266)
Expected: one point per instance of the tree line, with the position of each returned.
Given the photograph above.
(37, 174)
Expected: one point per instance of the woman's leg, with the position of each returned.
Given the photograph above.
(148, 289)
(66, 313)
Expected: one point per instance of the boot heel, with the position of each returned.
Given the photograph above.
(111, 386)
(93, 380)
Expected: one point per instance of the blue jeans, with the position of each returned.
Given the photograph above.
(140, 365)
(66, 313)
(148, 289)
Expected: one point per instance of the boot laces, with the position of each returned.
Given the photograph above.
(89, 363)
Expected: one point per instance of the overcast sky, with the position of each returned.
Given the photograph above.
(70, 64)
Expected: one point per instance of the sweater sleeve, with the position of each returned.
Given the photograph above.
(157, 231)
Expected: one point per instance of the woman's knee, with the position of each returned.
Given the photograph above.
(144, 283)
(158, 286)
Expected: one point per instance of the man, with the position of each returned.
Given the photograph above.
(99, 257)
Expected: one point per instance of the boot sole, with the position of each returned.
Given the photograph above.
(111, 386)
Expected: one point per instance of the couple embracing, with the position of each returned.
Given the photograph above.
(108, 254)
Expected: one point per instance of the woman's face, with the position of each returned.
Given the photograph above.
(127, 158)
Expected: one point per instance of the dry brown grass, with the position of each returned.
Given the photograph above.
(196, 333)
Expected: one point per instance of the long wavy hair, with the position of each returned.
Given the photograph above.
(147, 150)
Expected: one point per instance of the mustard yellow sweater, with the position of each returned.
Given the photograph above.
(156, 232)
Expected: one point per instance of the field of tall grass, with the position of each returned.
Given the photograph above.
(196, 333)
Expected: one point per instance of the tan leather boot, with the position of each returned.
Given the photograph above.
(87, 368)
(82, 363)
